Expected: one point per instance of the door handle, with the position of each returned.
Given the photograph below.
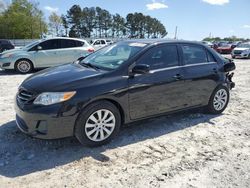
(177, 77)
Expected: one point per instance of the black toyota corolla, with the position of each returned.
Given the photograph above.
(125, 82)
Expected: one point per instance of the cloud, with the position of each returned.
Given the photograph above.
(2, 5)
(51, 9)
(246, 26)
(231, 31)
(155, 5)
(216, 2)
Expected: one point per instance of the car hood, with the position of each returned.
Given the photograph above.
(241, 49)
(69, 76)
(12, 51)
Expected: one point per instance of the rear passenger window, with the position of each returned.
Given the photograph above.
(160, 57)
(103, 42)
(68, 43)
(79, 43)
(210, 57)
(194, 54)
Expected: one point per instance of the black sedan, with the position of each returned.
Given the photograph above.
(125, 82)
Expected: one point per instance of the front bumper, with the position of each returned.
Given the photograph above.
(242, 55)
(46, 122)
(6, 63)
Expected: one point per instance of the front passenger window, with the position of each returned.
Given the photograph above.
(49, 44)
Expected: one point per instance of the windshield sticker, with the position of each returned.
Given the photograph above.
(137, 44)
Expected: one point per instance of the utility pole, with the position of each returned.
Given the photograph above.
(175, 34)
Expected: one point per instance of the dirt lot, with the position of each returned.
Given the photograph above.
(188, 149)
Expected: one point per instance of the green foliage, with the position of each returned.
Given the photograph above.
(22, 19)
(98, 22)
(229, 39)
(55, 23)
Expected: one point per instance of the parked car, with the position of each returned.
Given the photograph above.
(122, 83)
(100, 43)
(45, 53)
(241, 51)
(224, 48)
(235, 44)
(6, 45)
(210, 44)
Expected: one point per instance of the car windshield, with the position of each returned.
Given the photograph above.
(244, 46)
(32, 44)
(113, 56)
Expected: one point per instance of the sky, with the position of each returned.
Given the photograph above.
(195, 19)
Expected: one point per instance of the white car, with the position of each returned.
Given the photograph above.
(241, 51)
(100, 43)
(45, 53)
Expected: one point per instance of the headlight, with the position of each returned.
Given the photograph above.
(6, 55)
(53, 97)
(246, 51)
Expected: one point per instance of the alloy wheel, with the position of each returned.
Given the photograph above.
(100, 125)
(220, 99)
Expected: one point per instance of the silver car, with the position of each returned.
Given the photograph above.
(45, 53)
(241, 51)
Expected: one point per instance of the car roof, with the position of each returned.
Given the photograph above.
(67, 38)
(160, 41)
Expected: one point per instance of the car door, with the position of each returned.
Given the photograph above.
(45, 54)
(68, 51)
(200, 72)
(160, 90)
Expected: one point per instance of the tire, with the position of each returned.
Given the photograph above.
(23, 66)
(90, 131)
(219, 100)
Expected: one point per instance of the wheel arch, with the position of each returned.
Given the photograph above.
(114, 102)
(26, 59)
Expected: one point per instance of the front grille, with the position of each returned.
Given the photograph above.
(24, 96)
(237, 52)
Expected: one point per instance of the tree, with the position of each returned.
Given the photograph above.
(55, 23)
(95, 21)
(22, 19)
(74, 16)
(65, 25)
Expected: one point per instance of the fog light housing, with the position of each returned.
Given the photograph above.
(42, 127)
(6, 65)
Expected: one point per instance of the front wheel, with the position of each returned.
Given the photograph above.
(23, 66)
(98, 124)
(218, 100)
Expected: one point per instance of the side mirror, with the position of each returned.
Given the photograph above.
(229, 67)
(141, 69)
(39, 48)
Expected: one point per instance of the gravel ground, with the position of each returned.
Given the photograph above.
(188, 149)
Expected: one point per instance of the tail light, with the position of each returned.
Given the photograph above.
(91, 50)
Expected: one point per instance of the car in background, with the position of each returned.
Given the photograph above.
(100, 43)
(241, 51)
(6, 45)
(223, 48)
(45, 53)
(235, 44)
(207, 43)
(119, 84)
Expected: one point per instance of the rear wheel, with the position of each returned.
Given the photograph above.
(23, 66)
(218, 100)
(98, 124)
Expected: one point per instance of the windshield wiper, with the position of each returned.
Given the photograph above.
(89, 65)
